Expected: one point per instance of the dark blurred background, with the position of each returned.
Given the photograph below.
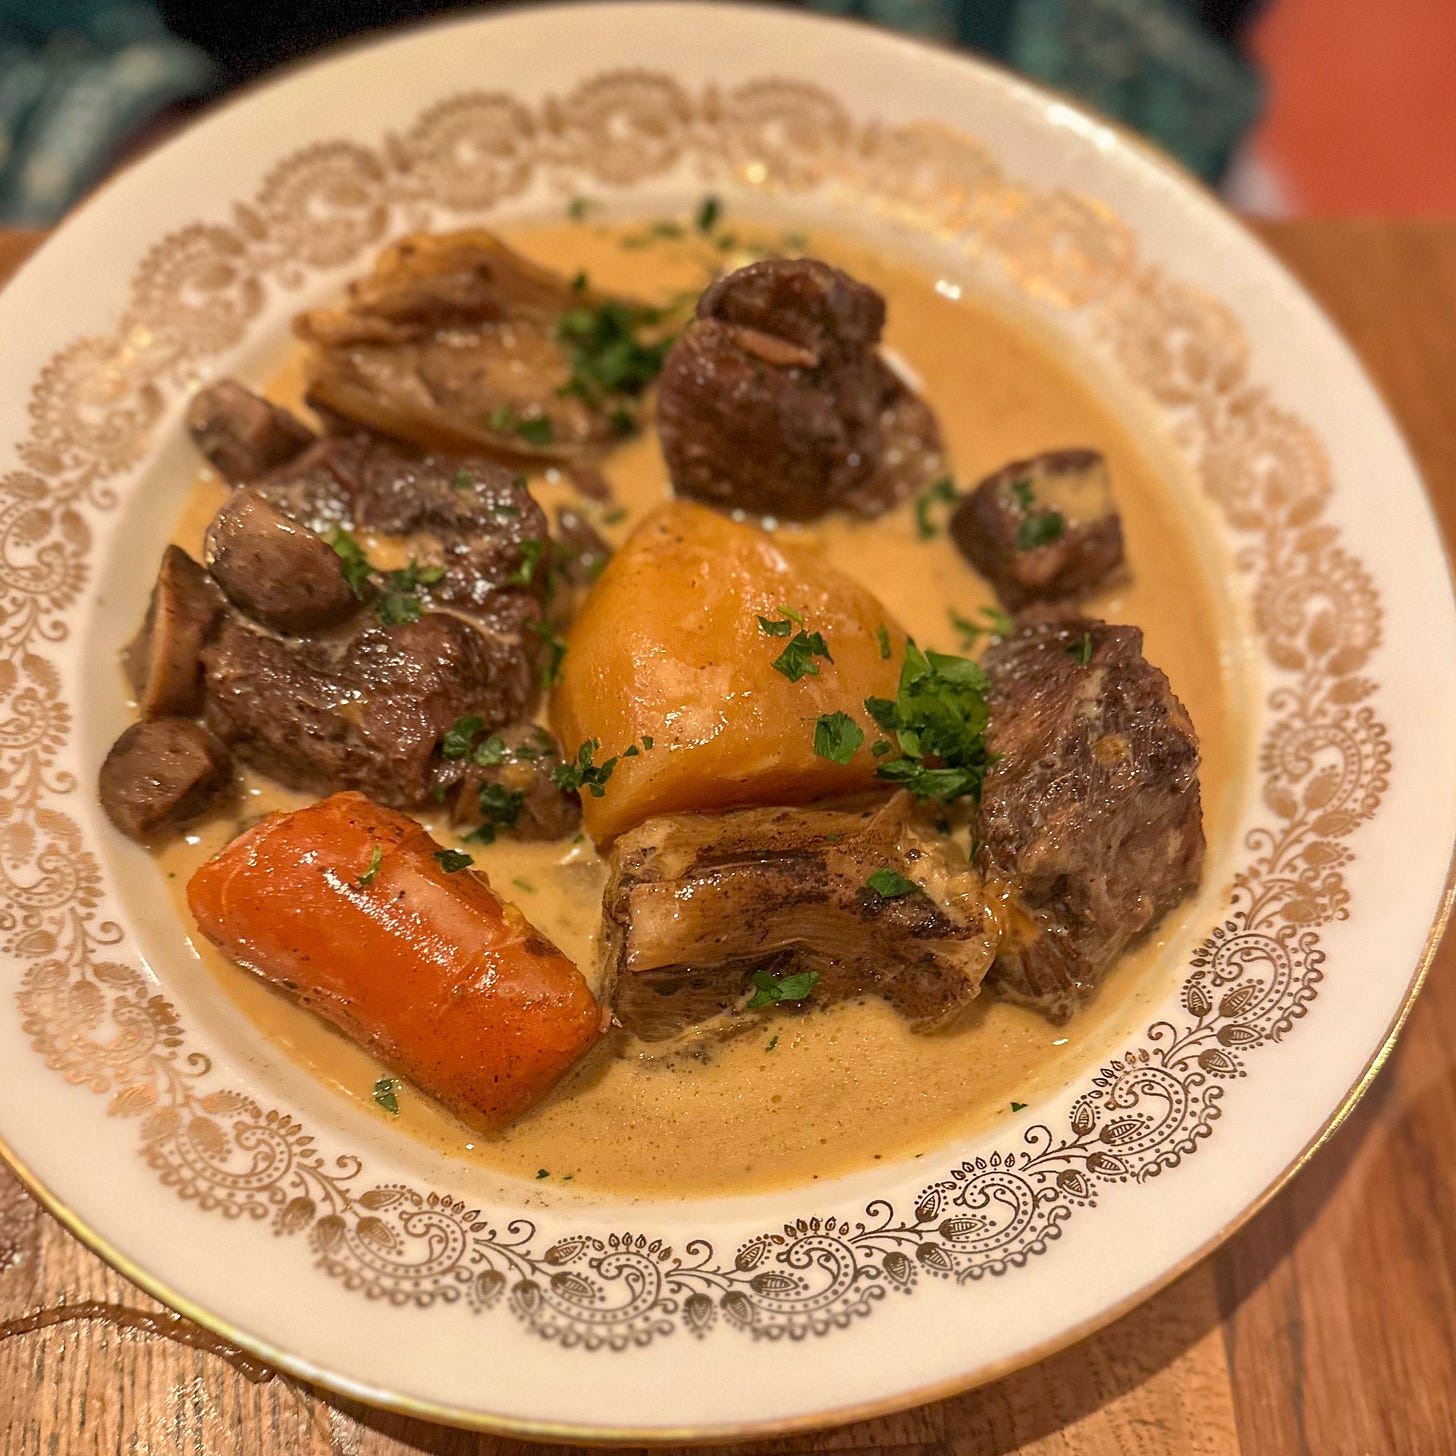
(1289, 106)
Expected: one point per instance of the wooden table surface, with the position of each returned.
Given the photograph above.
(1327, 1326)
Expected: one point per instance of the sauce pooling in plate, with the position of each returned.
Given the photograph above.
(809, 1096)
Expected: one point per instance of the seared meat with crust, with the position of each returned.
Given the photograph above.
(1042, 529)
(698, 902)
(507, 781)
(242, 434)
(161, 774)
(164, 660)
(365, 712)
(276, 571)
(775, 401)
(454, 342)
(1091, 807)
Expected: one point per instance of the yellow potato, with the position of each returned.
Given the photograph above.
(669, 645)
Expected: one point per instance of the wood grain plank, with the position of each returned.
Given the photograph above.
(1329, 1325)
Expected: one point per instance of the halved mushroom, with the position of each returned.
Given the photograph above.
(706, 914)
(274, 569)
(242, 434)
(164, 660)
(456, 342)
(161, 774)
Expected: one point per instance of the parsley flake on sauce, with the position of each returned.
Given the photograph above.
(375, 860)
(1019, 1106)
(535, 430)
(399, 600)
(1080, 651)
(533, 552)
(890, 884)
(386, 1095)
(837, 737)
(942, 491)
(451, 860)
(769, 989)
(353, 562)
(997, 624)
(554, 651)
(938, 720)
(608, 355)
(710, 209)
(882, 636)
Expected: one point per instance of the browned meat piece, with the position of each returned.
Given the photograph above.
(1090, 809)
(164, 660)
(775, 401)
(242, 434)
(276, 571)
(699, 903)
(506, 783)
(161, 774)
(1042, 529)
(456, 342)
(364, 712)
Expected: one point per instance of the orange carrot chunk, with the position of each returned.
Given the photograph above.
(345, 906)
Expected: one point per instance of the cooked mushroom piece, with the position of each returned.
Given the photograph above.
(506, 782)
(162, 774)
(276, 571)
(1042, 529)
(705, 914)
(774, 399)
(456, 342)
(1090, 809)
(242, 434)
(164, 660)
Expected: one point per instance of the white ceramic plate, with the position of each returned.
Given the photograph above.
(186, 1151)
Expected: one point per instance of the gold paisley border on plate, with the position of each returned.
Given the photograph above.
(1324, 759)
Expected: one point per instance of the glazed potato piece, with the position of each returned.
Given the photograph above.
(1043, 529)
(668, 647)
(700, 903)
(348, 907)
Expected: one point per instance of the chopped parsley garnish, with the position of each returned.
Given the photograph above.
(880, 748)
(794, 241)
(769, 989)
(525, 885)
(579, 283)
(607, 356)
(500, 808)
(943, 490)
(461, 734)
(543, 1173)
(882, 636)
(451, 860)
(773, 1042)
(399, 600)
(375, 860)
(1019, 1106)
(1039, 530)
(997, 624)
(1024, 493)
(797, 659)
(584, 774)
(353, 562)
(889, 884)
(837, 737)
(788, 620)
(647, 740)
(385, 1095)
(461, 480)
(553, 650)
(614, 516)
(621, 421)
(578, 207)
(1080, 651)
(535, 430)
(938, 719)
(533, 552)
(709, 211)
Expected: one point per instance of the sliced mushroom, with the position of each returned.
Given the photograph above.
(242, 434)
(699, 903)
(276, 570)
(164, 660)
(162, 774)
